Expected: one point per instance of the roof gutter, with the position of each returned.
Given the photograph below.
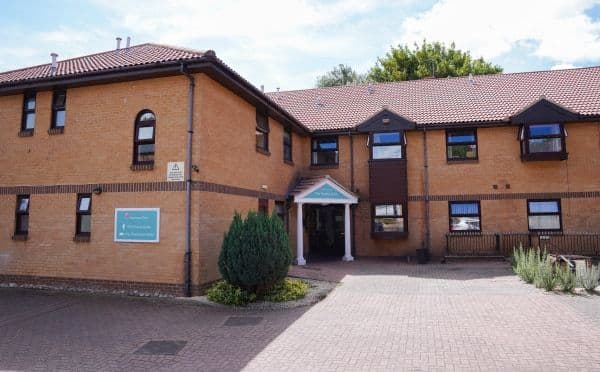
(187, 261)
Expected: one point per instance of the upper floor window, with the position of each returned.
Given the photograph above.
(287, 145)
(59, 108)
(83, 226)
(325, 151)
(543, 141)
(461, 144)
(22, 215)
(544, 215)
(387, 145)
(144, 138)
(262, 131)
(28, 120)
(388, 218)
(465, 216)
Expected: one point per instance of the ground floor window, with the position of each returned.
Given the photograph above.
(83, 225)
(22, 215)
(388, 218)
(263, 206)
(543, 215)
(465, 216)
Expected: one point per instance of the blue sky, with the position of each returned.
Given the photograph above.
(287, 44)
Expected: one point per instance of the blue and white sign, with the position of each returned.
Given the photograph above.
(137, 225)
(326, 191)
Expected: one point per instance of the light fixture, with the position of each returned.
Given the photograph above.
(97, 190)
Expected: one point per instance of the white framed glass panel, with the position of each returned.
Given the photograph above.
(551, 222)
(387, 152)
(386, 138)
(145, 133)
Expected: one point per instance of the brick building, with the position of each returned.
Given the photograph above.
(123, 169)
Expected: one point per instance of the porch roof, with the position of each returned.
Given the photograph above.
(321, 189)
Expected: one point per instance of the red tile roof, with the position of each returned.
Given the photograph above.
(433, 102)
(143, 54)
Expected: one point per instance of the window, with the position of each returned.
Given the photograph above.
(84, 215)
(59, 101)
(287, 145)
(388, 218)
(263, 206)
(28, 120)
(543, 141)
(262, 131)
(387, 145)
(461, 144)
(544, 215)
(144, 137)
(22, 215)
(465, 216)
(325, 151)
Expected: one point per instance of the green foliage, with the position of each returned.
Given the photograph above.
(340, 75)
(526, 263)
(403, 63)
(256, 253)
(546, 277)
(566, 278)
(287, 290)
(227, 294)
(588, 277)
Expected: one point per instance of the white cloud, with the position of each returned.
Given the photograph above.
(555, 29)
(562, 66)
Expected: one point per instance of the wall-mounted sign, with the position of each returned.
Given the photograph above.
(175, 171)
(137, 225)
(325, 191)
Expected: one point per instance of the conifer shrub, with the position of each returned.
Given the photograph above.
(256, 254)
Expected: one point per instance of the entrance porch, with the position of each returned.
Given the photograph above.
(324, 205)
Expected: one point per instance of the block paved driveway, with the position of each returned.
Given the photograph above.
(385, 315)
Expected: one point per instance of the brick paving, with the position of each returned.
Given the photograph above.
(385, 315)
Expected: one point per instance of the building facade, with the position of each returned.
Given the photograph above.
(122, 170)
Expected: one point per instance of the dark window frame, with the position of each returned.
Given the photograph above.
(288, 155)
(313, 151)
(263, 206)
(462, 143)
(79, 213)
(58, 108)
(262, 127)
(478, 215)
(25, 111)
(389, 234)
(559, 214)
(525, 136)
(19, 231)
(137, 142)
(401, 143)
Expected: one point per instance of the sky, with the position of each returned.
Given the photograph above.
(287, 44)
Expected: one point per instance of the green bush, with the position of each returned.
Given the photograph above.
(287, 290)
(545, 276)
(566, 278)
(588, 277)
(227, 294)
(526, 263)
(256, 253)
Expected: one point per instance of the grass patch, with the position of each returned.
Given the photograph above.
(286, 290)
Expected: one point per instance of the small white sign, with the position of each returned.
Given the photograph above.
(175, 171)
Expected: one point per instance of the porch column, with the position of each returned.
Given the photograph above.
(347, 237)
(299, 236)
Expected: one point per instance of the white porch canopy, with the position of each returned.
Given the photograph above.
(322, 190)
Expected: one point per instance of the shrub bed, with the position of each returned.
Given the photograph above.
(535, 266)
(286, 290)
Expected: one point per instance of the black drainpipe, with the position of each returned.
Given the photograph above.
(352, 210)
(187, 261)
(427, 241)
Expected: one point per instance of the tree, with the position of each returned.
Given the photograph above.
(340, 75)
(429, 59)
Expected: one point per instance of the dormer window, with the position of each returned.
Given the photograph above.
(543, 142)
(387, 145)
